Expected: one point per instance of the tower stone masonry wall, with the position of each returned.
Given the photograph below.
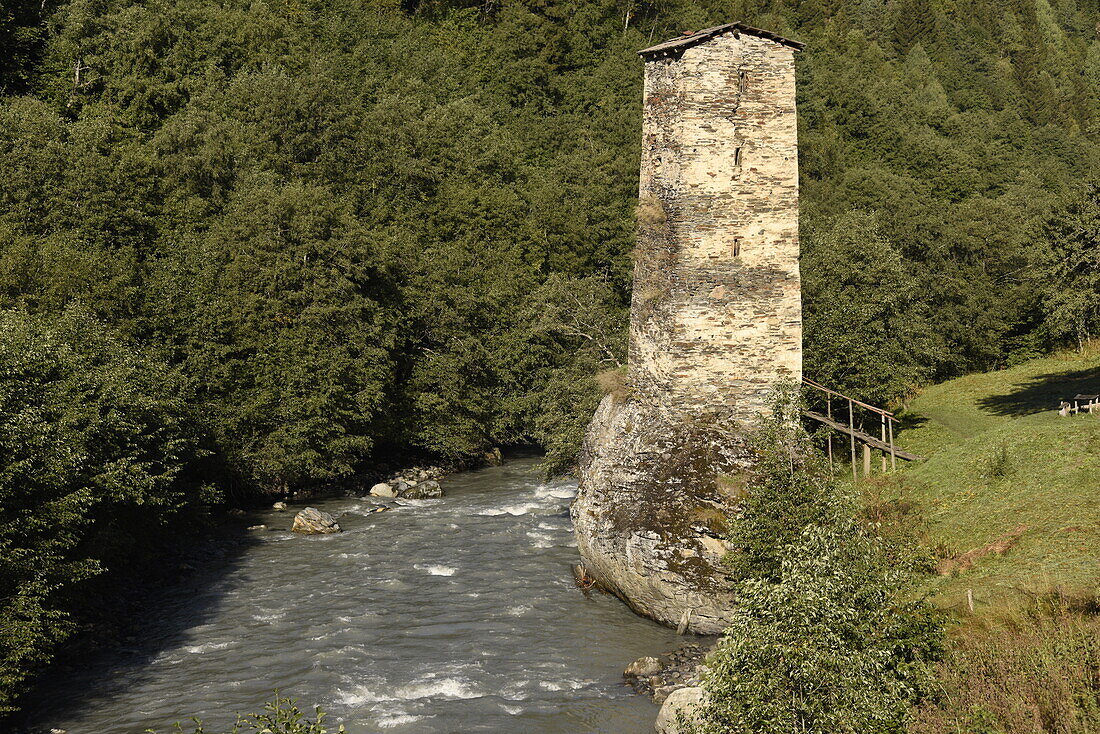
(717, 317)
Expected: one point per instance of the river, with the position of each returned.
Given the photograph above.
(450, 615)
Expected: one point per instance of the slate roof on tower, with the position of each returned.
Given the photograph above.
(677, 46)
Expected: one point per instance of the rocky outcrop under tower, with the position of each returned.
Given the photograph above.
(651, 513)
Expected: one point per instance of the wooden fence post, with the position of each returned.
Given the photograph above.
(893, 453)
(882, 435)
(852, 433)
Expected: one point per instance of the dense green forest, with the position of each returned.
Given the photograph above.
(251, 246)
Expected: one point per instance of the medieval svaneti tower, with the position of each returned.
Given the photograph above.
(716, 322)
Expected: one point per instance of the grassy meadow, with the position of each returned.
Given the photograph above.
(1003, 466)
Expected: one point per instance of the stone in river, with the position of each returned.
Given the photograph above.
(312, 521)
(424, 491)
(382, 490)
(643, 668)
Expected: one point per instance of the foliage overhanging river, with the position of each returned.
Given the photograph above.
(452, 615)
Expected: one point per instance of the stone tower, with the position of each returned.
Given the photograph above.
(716, 321)
(717, 311)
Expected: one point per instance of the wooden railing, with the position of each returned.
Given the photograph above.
(884, 442)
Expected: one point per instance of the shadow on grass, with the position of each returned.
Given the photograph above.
(1043, 393)
(907, 420)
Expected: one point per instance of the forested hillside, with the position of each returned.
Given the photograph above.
(351, 225)
(336, 230)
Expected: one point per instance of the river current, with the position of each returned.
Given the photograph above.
(450, 615)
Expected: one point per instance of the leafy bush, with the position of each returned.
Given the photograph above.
(790, 489)
(822, 639)
(826, 648)
(280, 716)
(93, 443)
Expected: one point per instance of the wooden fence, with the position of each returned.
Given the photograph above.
(885, 419)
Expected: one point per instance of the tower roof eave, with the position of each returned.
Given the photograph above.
(679, 45)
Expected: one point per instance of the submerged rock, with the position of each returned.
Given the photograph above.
(382, 490)
(686, 701)
(312, 521)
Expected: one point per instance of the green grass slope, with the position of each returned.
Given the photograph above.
(1000, 457)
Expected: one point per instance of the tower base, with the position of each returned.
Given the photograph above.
(650, 513)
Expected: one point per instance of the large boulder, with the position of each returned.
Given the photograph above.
(312, 521)
(428, 489)
(684, 701)
(382, 489)
(650, 512)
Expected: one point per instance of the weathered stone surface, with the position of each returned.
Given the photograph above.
(643, 667)
(716, 316)
(428, 489)
(279, 507)
(648, 491)
(312, 521)
(382, 490)
(715, 323)
(683, 700)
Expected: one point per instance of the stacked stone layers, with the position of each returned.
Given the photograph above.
(719, 151)
(715, 323)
